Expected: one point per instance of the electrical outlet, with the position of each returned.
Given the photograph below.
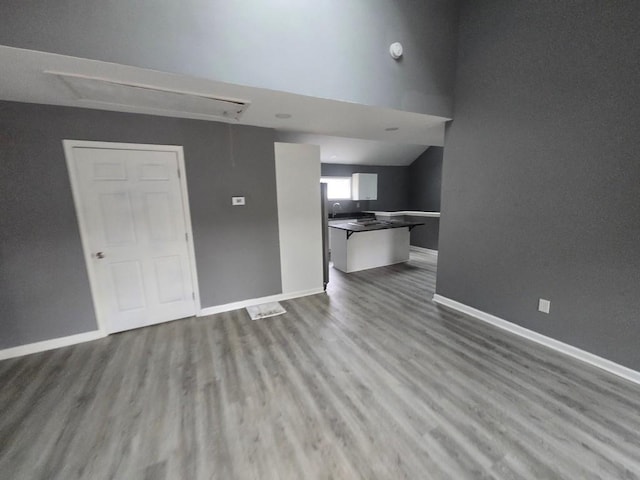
(544, 305)
(237, 201)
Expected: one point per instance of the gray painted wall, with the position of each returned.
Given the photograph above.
(393, 186)
(328, 49)
(425, 180)
(541, 173)
(425, 236)
(44, 291)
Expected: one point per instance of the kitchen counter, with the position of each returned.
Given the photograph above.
(371, 225)
(377, 243)
(425, 237)
(404, 213)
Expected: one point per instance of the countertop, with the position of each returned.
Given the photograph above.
(409, 213)
(349, 215)
(373, 225)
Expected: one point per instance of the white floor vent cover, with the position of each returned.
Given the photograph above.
(265, 310)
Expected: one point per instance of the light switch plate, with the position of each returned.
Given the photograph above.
(544, 305)
(237, 201)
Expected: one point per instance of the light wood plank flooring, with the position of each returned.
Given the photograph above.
(371, 381)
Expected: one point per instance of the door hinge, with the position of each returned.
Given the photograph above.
(186, 237)
(179, 173)
(193, 295)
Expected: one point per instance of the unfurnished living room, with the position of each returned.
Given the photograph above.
(341, 239)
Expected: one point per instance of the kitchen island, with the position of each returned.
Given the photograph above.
(368, 244)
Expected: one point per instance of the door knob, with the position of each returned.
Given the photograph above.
(100, 255)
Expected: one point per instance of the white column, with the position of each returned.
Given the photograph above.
(299, 217)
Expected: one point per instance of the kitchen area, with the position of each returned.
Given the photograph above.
(369, 243)
(377, 214)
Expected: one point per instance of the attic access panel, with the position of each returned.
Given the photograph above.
(119, 93)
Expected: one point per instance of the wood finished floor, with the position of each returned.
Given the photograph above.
(371, 381)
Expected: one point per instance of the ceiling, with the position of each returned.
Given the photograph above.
(353, 133)
(355, 150)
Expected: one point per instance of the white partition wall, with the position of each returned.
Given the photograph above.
(299, 217)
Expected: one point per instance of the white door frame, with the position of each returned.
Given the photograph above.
(68, 146)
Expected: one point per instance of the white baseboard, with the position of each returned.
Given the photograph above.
(423, 250)
(257, 301)
(21, 350)
(45, 345)
(557, 345)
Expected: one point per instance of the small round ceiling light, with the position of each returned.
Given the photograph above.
(283, 115)
(395, 50)
(391, 129)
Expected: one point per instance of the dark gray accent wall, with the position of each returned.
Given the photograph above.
(327, 49)
(427, 235)
(541, 173)
(425, 180)
(44, 290)
(393, 186)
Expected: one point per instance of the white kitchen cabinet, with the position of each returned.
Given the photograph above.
(364, 186)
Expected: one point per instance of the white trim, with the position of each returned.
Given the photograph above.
(77, 201)
(411, 213)
(45, 345)
(189, 228)
(68, 146)
(423, 250)
(577, 353)
(257, 301)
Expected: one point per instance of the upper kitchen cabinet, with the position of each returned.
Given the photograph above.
(364, 186)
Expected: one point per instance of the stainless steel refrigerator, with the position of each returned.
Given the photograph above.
(324, 208)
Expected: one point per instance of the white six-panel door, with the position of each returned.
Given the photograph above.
(136, 233)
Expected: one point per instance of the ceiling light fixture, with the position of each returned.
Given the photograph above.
(283, 115)
(391, 129)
